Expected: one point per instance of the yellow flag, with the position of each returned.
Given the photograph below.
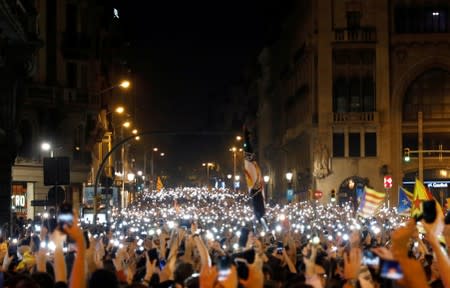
(159, 184)
(420, 195)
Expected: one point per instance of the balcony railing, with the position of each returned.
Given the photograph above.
(355, 117)
(362, 34)
(48, 95)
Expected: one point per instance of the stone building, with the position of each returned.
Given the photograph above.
(62, 100)
(346, 87)
(19, 42)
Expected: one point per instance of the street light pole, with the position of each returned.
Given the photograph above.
(152, 167)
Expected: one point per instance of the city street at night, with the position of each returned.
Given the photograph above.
(256, 144)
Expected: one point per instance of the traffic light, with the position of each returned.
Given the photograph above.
(333, 195)
(406, 152)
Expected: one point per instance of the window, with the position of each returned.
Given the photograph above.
(340, 95)
(370, 144)
(338, 145)
(71, 18)
(353, 19)
(354, 84)
(354, 145)
(71, 75)
(84, 77)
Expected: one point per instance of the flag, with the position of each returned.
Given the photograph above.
(159, 184)
(253, 175)
(420, 194)
(408, 194)
(371, 201)
(359, 193)
(404, 201)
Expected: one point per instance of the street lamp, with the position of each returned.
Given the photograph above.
(235, 150)
(152, 164)
(131, 176)
(120, 109)
(207, 165)
(125, 84)
(289, 176)
(46, 146)
(290, 191)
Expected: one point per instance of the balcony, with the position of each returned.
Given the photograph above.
(362, 34)
(76, 45)
(53, 96)
(355, 117)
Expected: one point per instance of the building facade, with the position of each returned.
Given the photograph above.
(19, 42)
(345, 87)
(62, 100)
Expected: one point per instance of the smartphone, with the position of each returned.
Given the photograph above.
(279, 247)
(243, 238)
(162, 264)
(447, 220)
(86, 239)
(224, 266)
(370, 259)
(248, 255)
(391, 270)
(429, 211)
(12, 250)
(242, 268)
(185, 223)
(65, 216)
(152, 254)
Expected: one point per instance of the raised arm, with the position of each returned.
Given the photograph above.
(78, 275)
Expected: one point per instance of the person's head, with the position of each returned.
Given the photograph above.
(103, 278)
(44, 279)
(21, 281)
(182, 271)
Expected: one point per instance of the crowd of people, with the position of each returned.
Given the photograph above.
(200, 237)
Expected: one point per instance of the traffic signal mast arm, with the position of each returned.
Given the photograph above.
(407, 153)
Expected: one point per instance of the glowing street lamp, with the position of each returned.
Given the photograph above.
(46, 146)
(289, 176)
(125, 84)
(130, 176)
(120, 109)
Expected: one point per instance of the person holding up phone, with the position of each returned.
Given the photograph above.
(433, 230)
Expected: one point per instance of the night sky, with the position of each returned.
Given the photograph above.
(181, 53)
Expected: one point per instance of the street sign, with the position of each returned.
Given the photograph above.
(39, 203)
(318, 194)
(387, 182)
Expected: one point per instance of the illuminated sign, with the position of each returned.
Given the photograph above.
(438, 185)
(387, 182)
(19, 201)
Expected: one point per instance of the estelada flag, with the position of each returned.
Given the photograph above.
(421, 193)
(159, 184)
(371, 201)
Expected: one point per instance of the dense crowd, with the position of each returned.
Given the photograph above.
(194, 237)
